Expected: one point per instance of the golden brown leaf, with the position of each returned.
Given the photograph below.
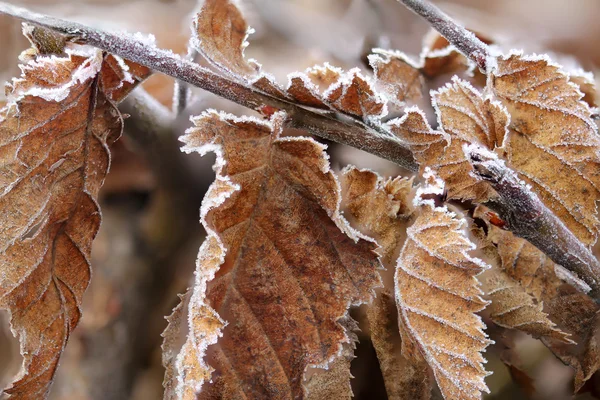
(406, 377)
(354, 94)
(397, 76)
(334, 382)
(512, 307)
(222, 31)
(587, 86)
(438, 297)
(324, 76)
(464, 118)
(573, 312)
(380, 209)
(54, 134)
(555, 146)
(273, 198)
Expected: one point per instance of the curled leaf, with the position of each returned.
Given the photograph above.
(438, 297)
(272, 199)
(54, 137)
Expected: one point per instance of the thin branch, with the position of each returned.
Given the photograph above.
(182, 90)
(349, 131)
(527, 216)
(466, 42)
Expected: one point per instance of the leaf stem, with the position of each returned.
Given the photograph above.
(465, 41)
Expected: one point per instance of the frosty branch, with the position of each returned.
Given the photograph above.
(563, 247)
(465, 41)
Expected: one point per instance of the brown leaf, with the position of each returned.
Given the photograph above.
(512, 307)
(379, 208)
(354, 94)
(222, 31)
(397, 76)
(439, 57)
(272, 199)
(406, 377)
(555, 146)
(587, 86)
(54, 138)
(438, 297)
(324, 76)
(334, 382)
(573, 312)
(464, 118)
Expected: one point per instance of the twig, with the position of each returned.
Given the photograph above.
(528, 217)
(466, 42)
(182, 90)
(373, 139)
(526, 214)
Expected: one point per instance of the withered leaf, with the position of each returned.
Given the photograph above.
(555, 144)
(573, 312)
(354, 94)
(464, 118)
(406, 376)
(54, 137)
(438, 297)
(397, 76)
(512, 307)
(292, 265)
(334, 382)
(380, 209)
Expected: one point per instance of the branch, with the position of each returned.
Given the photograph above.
(465, 41)
(350, 132)
(527, 216)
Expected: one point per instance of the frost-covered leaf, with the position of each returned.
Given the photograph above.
(54, 137)
(398, 77)
(324, 76)
(334, 382)
(573, 312)
(222, 31)
(292, 266)
(438, 297)
(512, 307)
(380, 209)
(555, 144)
(464, 117)
(406, 376)
(354, 94)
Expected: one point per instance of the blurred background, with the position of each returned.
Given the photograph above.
(145, 252)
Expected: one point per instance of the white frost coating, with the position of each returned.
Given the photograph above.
(428, 351)
(345, 82)
(147, 39)
(567, 276)
(87, 70)
(433, 185)
(127, 77)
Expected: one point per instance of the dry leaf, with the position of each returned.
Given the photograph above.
(587, 86)
(555, 144)
(354, 94)
(438, 297)
(54, 155)
(464, 118)
(397, 76)
(334, 382)
(380, 209)
(405, 378)
(512, 307)
(573, 312)
(324, 76)
(272, 199)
